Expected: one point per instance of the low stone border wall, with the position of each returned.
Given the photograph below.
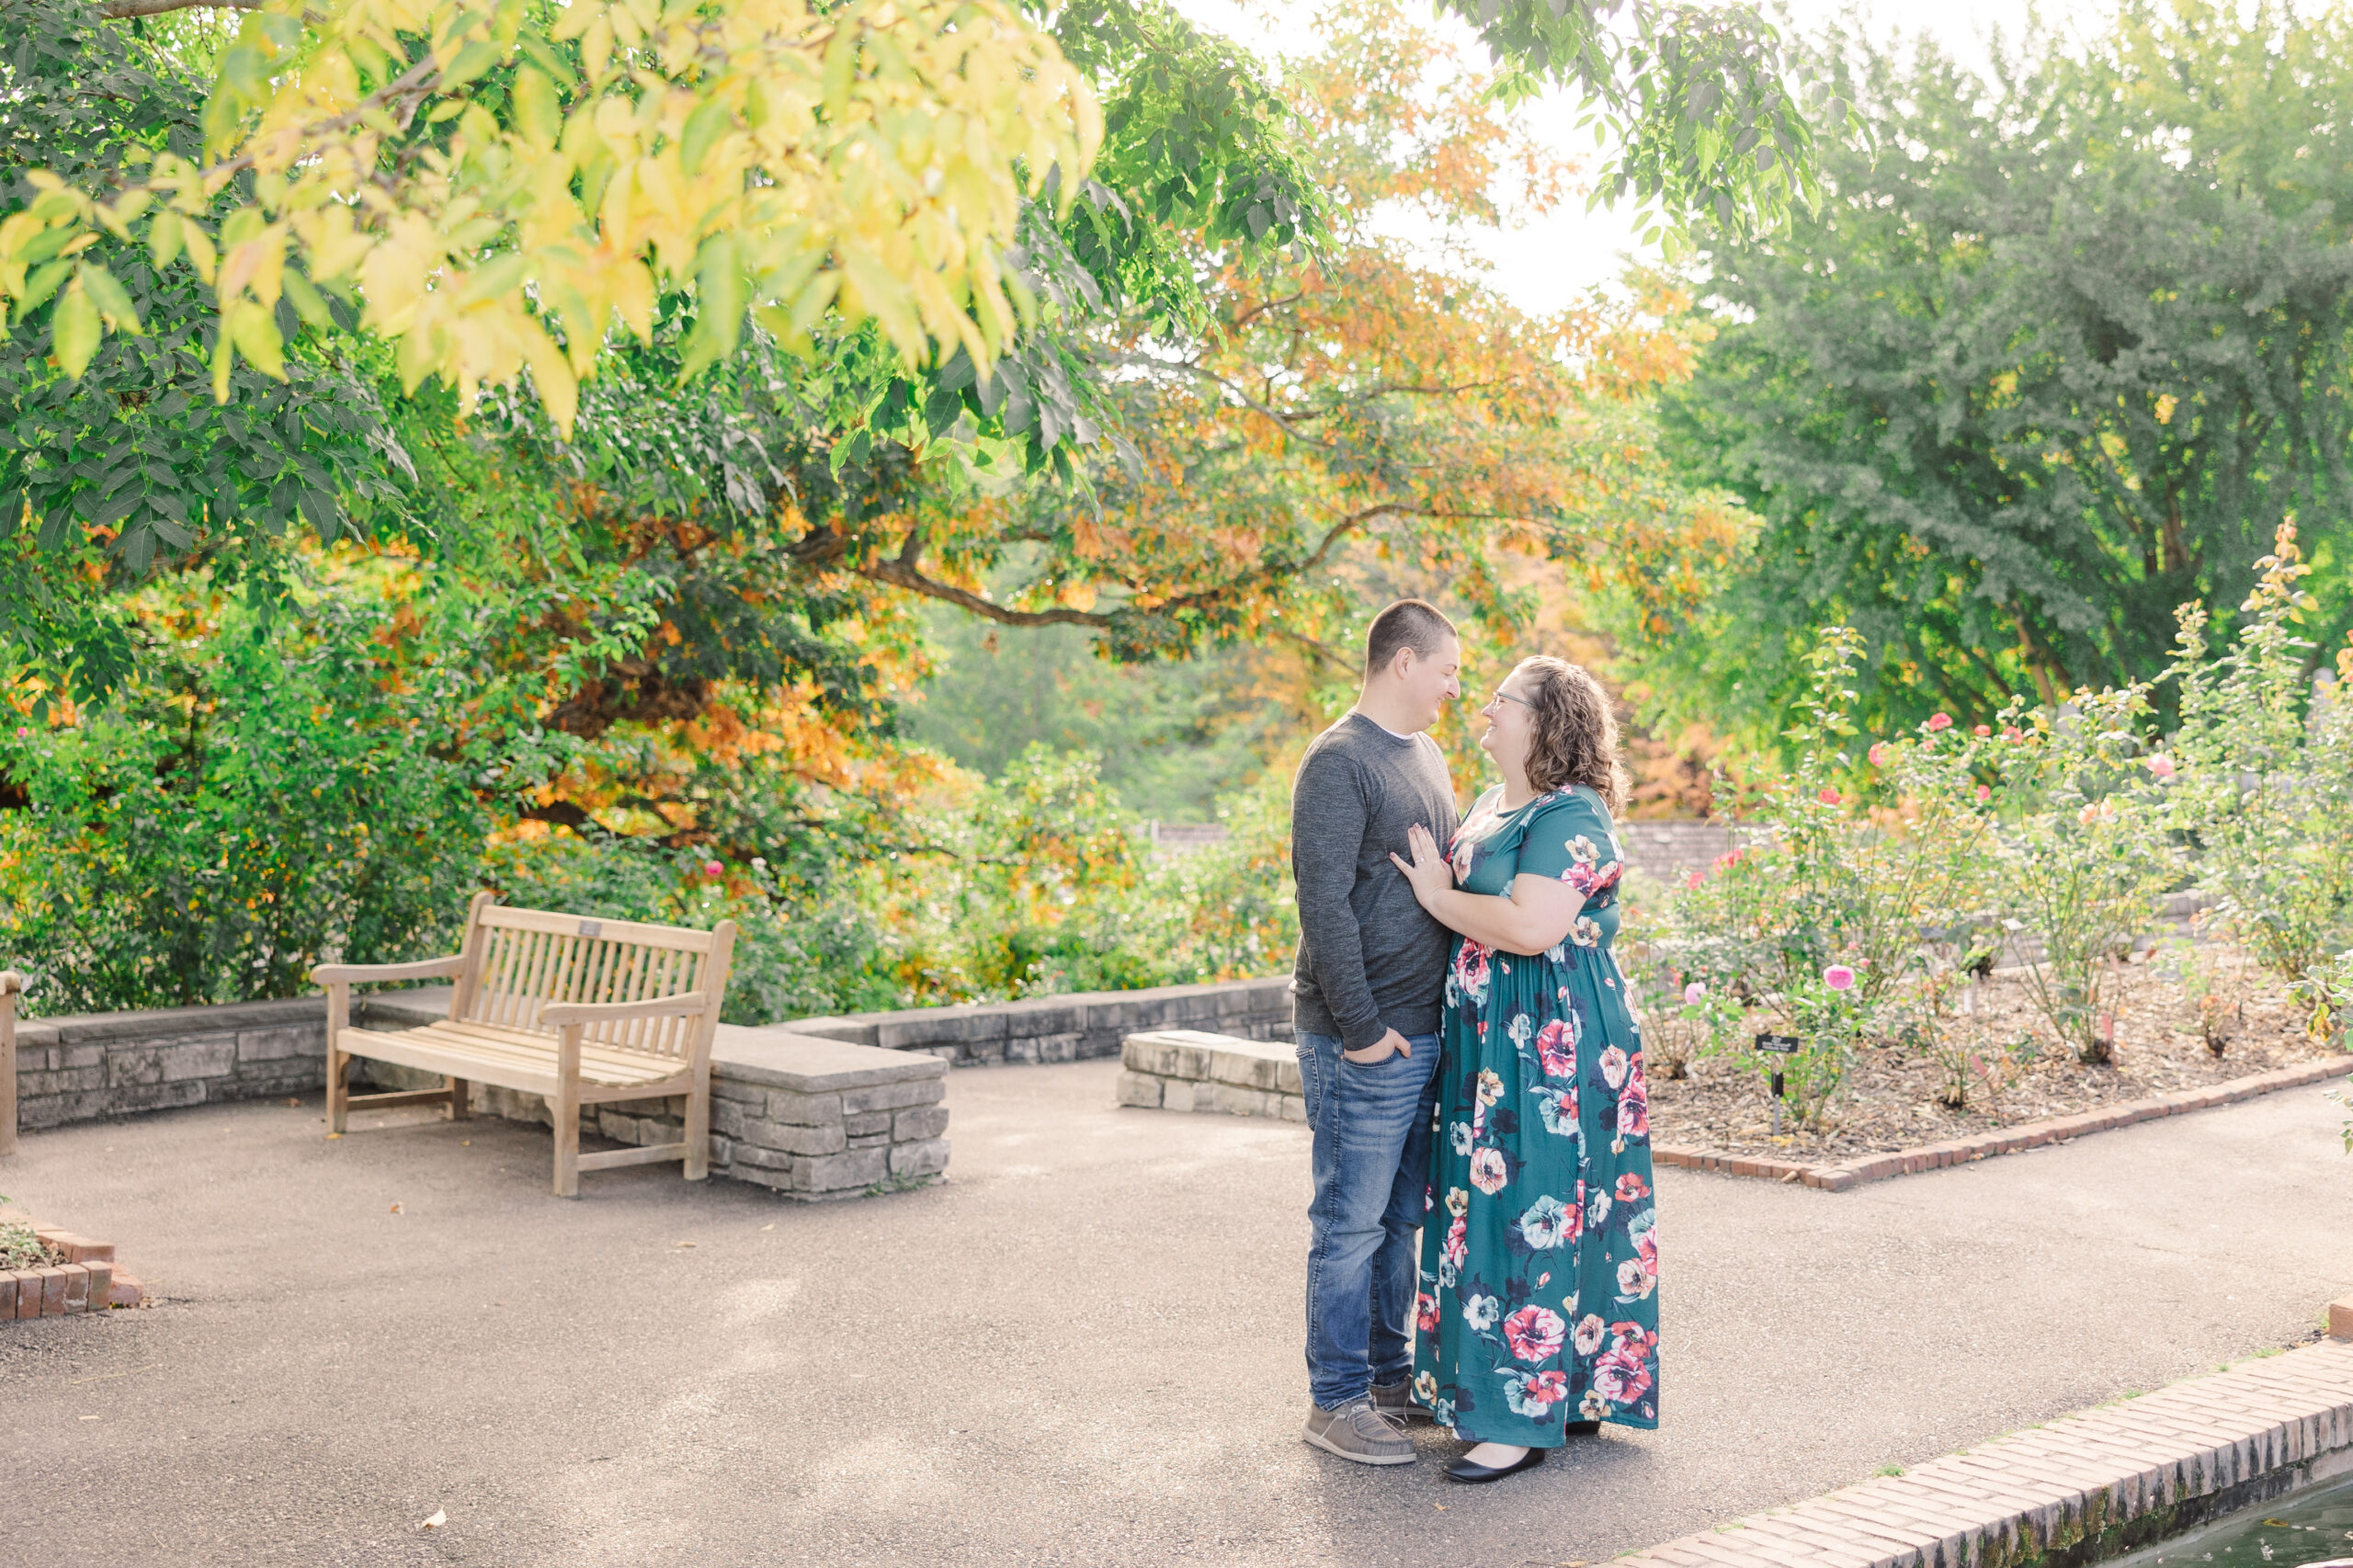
(2010, 1141)
(1189, 1070)
(87, 1281)
(795, 1107)
(82, 1067)
(2087, 1486)
(1071, 1027)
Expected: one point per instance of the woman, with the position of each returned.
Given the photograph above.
(1537, 1314)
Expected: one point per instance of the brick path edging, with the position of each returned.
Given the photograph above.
(2081, 1488)
(2010, 1141)
(87, 1281)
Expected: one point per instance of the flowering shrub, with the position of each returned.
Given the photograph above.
(2085, 855)
(2266, 779)
(1818, 917)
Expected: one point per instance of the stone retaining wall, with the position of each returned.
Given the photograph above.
(816, 1108)
(1071, 1027)
(80, 1067)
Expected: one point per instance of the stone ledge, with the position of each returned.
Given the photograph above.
(1853, 1173)
(2089, 1485)
(1076, 1025)
(1190, 1069)
(812, 1064)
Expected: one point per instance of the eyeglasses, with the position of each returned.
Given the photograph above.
(1506, 696)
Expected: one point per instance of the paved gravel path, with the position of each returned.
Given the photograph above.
(1082, 1350)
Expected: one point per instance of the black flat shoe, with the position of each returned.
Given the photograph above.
(1472, 1475)
(1584, 1428)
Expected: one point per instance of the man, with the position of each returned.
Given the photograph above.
(1368, 985)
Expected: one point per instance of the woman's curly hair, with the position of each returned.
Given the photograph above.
(1575, 734)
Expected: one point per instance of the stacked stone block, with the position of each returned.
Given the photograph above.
(94, 1064)
(1191, 1071)
(828, 1130)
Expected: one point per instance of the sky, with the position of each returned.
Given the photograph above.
(1552, 262)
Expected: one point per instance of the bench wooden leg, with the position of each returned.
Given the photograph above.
(460, 1099)
(699, 1133)
(339, 1063)
(567, 1114)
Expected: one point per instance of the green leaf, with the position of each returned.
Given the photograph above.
(74, 330)
(112, 302)
(42, 284)
(306, 301)
(472, 62)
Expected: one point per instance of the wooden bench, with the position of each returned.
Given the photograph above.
(581, 1012)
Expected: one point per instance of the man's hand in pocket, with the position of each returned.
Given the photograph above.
(1390, 1044)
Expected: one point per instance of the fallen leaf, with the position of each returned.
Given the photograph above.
(89, 1419)
(396, 1208)
(685, 1243)
(1441, 1507)
(333, 1136)
(440, 1517)
(769, 1226)
(465, 1142)
(293, 1102)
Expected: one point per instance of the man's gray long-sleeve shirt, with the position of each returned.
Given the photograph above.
(1369, 957)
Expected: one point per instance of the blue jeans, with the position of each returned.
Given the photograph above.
(1372, 1156)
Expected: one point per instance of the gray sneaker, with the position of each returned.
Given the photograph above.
(1397, 1401)
(1358, 1432)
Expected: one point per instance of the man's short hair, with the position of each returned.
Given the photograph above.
(1408, 623)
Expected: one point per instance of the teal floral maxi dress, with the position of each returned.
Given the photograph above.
(1537, 1303)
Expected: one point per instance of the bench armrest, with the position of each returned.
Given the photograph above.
(374, 974)
(555, 1015)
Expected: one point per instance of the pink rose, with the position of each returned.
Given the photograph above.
(2012, 732)
(1692, 992)
(1982, 730)
(1940, 721)
(2161, 765)
(1829, 796)
(1697, 878)
(1879, 754)
(713, 867)
(1838, 977)
(1534, 1333)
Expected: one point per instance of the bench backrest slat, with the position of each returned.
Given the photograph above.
(522, 959)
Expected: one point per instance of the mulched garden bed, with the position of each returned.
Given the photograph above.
(1892, 1098)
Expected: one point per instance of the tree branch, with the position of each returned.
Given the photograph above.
(903, 571)
(122, 10)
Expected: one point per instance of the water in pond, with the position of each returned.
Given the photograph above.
(2289, 1532)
